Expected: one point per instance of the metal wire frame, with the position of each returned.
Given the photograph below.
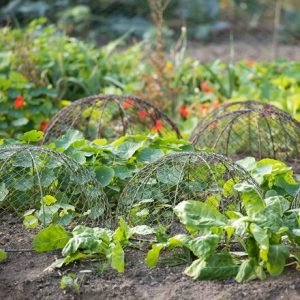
(151, 195)
(29, 173)
(250, 128)
(110, 116)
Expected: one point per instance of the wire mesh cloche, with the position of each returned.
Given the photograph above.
(151, 195)
(250, 128)
(110, 117)
(43, 186)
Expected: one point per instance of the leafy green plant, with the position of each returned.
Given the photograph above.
(265, 237)
(85, 243)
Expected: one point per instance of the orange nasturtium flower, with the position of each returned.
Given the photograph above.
(206, 87)
(142, 114)
(215, 104)
(19, 102)
(158, 126)
(128, 103)
(250, 63)
(43, 125)
(184, 111)
(204, 109)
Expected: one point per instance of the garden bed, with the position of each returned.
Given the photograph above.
(22, 276)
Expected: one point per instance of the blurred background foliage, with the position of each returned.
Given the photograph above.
(107, 19)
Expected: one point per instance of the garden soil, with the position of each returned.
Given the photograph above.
(23, 276)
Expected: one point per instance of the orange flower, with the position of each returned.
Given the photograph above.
(214, 125)
(43, 125)
(184, 111)
(142, 114)
(250, 63)
(128, 103)
(216, 104)
(206, 86)
(158, 126)
(168, 67)
(19, 102)
(204, 109)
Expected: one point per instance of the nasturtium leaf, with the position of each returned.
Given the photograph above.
(203, 246)
(123, 172)
(51, 238)
(169, 175)
(30, 221)
(153, 255)
(68, 139)
(23, 159)
(3, 191)
(276, 259)
(219, 266)
(20, 122)
(250, 270)
(126, 149)
(32, 136)
(104, 175)
(149, 154)
(117, 257)
(48, 200)
(198, 216)
(47, 177)
(3, 255)
(24, 183)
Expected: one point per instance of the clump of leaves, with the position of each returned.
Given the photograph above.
(85, 243)
(266, 236)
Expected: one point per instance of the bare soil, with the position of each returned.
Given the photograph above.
(23, 276)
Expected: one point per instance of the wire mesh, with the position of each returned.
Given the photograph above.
(42, 186)
(250, 128)
(151, 195)
(110, 117)
(296, 201)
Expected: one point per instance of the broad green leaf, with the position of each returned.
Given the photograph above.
(104, 175)
(149, 154)
(126, 149)
(32, 136)
(123, 172)
(261, 237)
(198, 216)
(276, 259)
(153, 255)
(248, 163)
(3, 191)
(3, 255)
(250, 270)
(169, 175)
(20, 122)
(252, 201)
(51, 238)
(142, 230)
(68, 139)
(122, 233)
(203, 246)
(117, 257)
(48, 200)
(30, 222)
(219, 266)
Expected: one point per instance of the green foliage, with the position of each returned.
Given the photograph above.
(3, 255)
(51, 238)
(266, 233)
(70, 281)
